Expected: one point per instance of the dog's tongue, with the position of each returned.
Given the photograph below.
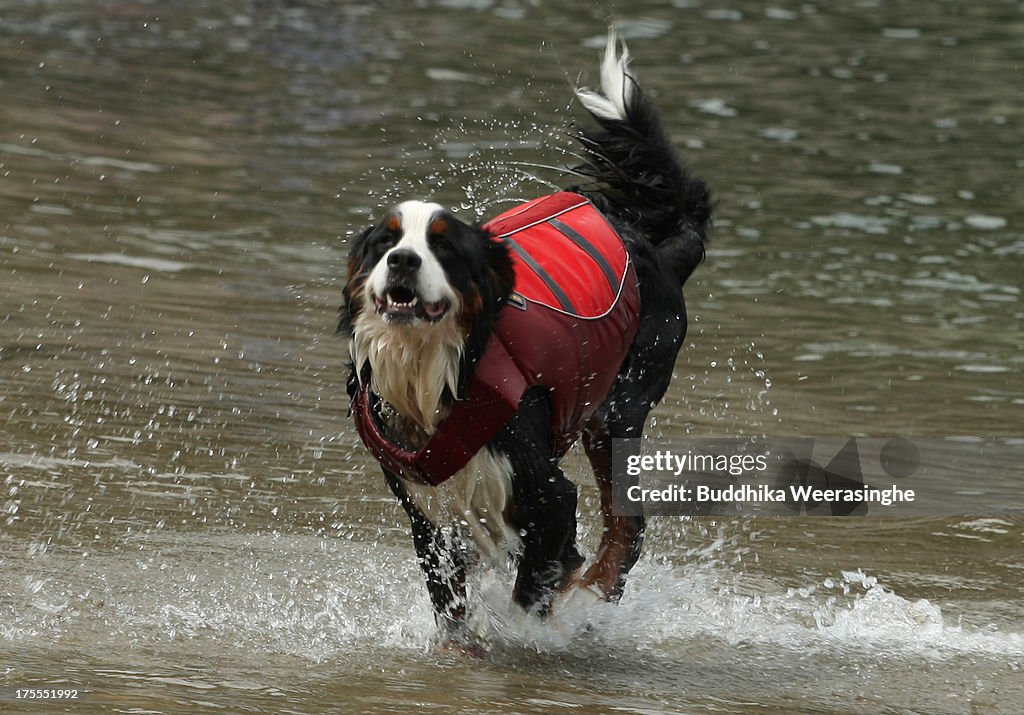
(433, 311)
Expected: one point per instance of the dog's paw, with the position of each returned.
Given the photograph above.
(577, 597)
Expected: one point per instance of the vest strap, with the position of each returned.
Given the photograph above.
(492, 399)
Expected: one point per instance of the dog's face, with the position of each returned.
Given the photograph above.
(421, 266)
(419, 282)
(407, 281)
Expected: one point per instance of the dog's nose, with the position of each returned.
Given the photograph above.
(404, 260)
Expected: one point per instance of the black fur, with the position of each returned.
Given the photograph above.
(475, 265)
(663, 213)
(642, 183)
(544, 510)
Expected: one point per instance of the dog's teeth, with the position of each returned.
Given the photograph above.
(403, 304)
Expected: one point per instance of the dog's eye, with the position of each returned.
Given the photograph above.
(390, 232)
(387, 238)
(440, 243)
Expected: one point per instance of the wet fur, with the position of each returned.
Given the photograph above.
(663, 214)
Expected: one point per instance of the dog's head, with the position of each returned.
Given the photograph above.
(422, 272)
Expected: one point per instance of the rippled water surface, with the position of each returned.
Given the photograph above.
(187, 522)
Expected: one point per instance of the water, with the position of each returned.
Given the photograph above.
(187, 521)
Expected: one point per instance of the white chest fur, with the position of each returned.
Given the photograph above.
(477, 499)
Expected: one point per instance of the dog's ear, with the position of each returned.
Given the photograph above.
(357, 250)
(354, 280)
(503, 277)
(489, 295)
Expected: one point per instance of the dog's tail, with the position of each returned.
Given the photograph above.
(640, 178)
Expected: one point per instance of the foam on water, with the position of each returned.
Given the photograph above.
(321, 599)
(669, 608)
(289, 596)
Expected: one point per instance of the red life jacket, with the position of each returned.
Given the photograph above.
(568, 326)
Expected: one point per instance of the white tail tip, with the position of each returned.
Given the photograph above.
(617, 84)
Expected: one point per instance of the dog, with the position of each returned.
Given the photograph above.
(480, 353)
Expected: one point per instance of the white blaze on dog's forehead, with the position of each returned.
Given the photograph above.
(432, 282)
(416, 216)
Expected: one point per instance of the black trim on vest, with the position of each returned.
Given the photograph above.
(590, 249)
(555, 289)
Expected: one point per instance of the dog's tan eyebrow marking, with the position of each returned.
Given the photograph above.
(393, 224)
(438, 226)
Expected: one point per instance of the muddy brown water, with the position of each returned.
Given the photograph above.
(187, 522)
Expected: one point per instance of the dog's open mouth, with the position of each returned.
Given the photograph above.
(402, 304)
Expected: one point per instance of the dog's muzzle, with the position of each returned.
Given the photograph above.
(401, 301)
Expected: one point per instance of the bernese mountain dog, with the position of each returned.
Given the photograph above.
(481, 353)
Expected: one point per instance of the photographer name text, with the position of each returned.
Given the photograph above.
(731, 466)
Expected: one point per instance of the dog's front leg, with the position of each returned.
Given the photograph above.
(547, 521)
(544, 506)
(443, 562)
